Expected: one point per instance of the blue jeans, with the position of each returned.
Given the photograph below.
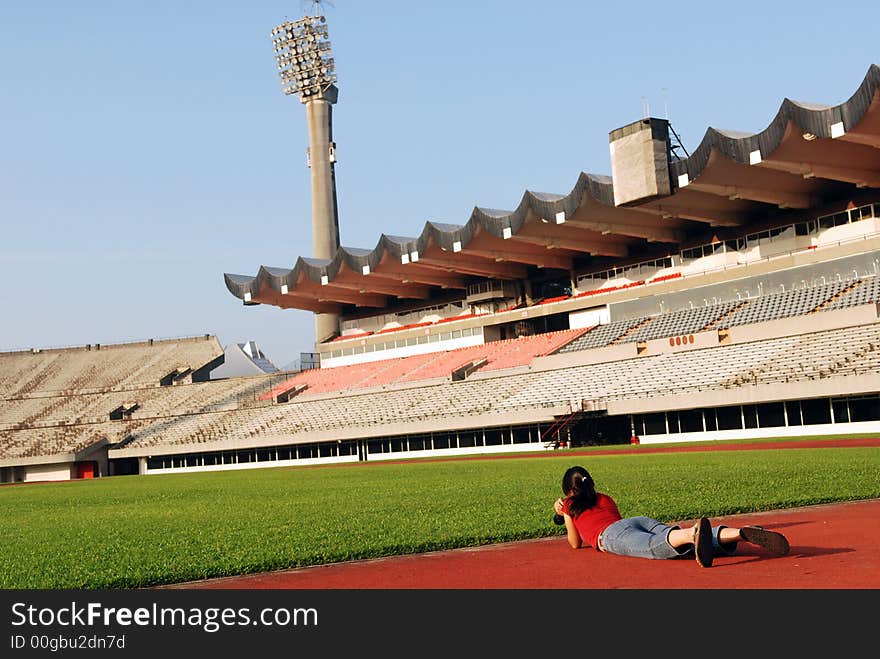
(644, 537)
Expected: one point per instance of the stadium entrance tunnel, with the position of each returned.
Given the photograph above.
(590, 428)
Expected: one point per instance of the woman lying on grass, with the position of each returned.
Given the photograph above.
(592, 519)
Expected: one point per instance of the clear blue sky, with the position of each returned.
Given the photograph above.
(146, 147)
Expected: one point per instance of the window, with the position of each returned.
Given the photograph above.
(442, 440)
(750, 416)
(732, 245)
(771, 415)
(522, 435)
(655, 424)
(729, 418)
(793, 412)
(816, 411)
(420, 443)
(638, 422)
(841, 410)
(709, 418)
(864, 409)
(468, 438)
(494, 437)
(867, 211)
(690, 420)
(377, 446)
(347, 448)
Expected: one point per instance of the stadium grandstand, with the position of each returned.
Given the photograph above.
(729, 293)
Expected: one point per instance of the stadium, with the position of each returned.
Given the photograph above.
(728, 293)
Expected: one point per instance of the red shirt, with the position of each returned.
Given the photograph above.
(591, 522)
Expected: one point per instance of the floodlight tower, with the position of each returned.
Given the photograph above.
(306, 68)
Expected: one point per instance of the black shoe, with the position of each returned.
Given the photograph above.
(703, 549)
(772, 541)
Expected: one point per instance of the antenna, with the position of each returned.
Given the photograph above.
(665, 104)
(316, 6)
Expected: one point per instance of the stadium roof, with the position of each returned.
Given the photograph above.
(808, 155)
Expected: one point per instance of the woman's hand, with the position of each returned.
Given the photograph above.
(557, 507)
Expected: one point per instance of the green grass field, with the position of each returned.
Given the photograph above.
(138, 531)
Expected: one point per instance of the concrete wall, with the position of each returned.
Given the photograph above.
(640, 161)
(51, 472)
(589, 317)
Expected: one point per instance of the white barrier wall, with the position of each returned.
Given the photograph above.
(589, 317)
(54, 472)
(404, 351)
(825, 429)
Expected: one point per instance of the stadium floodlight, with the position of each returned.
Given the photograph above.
(306, 68)
(303, 53)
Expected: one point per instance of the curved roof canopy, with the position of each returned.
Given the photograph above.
(807, 155)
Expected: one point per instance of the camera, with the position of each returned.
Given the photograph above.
(558, 519)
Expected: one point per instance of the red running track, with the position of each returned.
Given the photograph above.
(833, 546)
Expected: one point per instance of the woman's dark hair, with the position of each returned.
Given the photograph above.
(578, 486)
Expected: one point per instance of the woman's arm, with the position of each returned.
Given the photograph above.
(574, 538)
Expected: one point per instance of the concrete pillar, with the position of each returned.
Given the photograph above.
(325, 214)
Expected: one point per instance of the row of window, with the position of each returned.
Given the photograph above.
(761, 415)
(847, 216)
(411, 341)
(635, 270)
(741, 244)
(482, 437)
(485, 286)
(456, 439)
(407, 317)
(245, 456)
